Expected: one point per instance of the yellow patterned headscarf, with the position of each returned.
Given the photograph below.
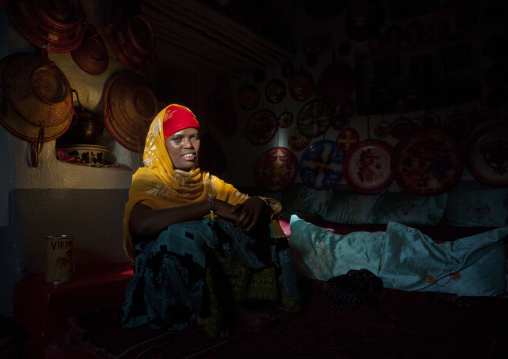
(159, 185)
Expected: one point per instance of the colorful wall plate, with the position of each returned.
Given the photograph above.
(487, 155)
(275, 90)
(261, 127)
(301, 87)
(276, 169)
(427, 162)
(249, 97)
(285, 119)
(347, 138)
(314, 118)
(297, 141)
(321, 165)
(367, 166)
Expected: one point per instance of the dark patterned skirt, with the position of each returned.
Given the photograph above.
(192, 270)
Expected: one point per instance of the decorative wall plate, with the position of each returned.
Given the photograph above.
(321, 165)
(382, 129)
(285, 119)
(367, 166)
(261, 127)
(301, 87)
(401, 127)
(297, 141)
(275, 90)
(276, 169)
(487, 155)
(347, 138)
(427, 162)
(248, 97)
(314, 118)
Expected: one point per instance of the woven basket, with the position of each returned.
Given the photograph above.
(39, 92)
(91, 56)
(130, 35)
(18, 125)
(56, 26)
(128, 107)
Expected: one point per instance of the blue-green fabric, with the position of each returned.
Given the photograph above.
(300, 199)
(410, 209)
(473, 266)
(167, 288)
(404, 258)
(321, 254)
(350, 207)
(483, 208)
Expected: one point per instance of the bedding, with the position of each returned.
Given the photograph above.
(404, 258)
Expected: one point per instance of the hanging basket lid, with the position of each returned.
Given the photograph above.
(56, 26)
(128, 108)
(37, 90)
(19, 126)
(130, 35)
(92, 55)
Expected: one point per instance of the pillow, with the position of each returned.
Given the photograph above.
(320, 254)
(410, 209)
(473, 266)
(351, 208)
(299, 198)
(483, 208)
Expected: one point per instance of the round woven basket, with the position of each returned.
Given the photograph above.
(18, 125)
(39, 92)
(91, 56)
(128, 107)
(57, 26)
(132, 102)
(131, 36)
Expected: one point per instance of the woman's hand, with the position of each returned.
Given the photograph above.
(249, 213)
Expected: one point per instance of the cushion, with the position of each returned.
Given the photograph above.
(322, 254)
(350, 207)
(410, 209)
(486, 208)
(300, 199)
(473, 266)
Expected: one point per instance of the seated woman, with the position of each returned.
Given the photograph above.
(202, 251)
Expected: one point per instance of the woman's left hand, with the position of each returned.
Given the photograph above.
(249, 213)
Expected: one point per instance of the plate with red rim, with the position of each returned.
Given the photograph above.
(276, 169)
(487, 155)
(427, 162)
(367, 166)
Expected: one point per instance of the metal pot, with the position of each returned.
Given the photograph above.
(86, 127)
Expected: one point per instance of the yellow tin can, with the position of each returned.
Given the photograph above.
(60, 259)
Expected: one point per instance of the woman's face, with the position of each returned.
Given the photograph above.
(183, 148)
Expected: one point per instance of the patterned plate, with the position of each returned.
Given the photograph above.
(275, 90)
(285, 119)
(276, 169)
(382, 129)
(314, 118)
(347, 138)
(487, 155)
(321, 165)
(301, 87)
(297, 141)
(367, 166)
(248, 97)
(427, 162)
(261, 127)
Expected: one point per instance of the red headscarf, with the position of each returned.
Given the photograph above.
(176, 118)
